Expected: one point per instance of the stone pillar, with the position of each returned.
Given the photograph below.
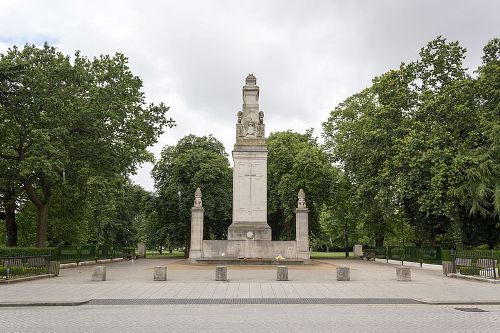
(99, 273)
(403, 273)
(358, 250)
(343, 274)
(281, 273)
(250, 170)
(221, 273)
(449, 267)
(302, 227)
(196, 245)
(141, 250)
(53, 267)
(160, 273)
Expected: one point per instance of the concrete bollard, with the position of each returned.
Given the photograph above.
(403, 273)
(281, 273)
(449, 267)
(53, 267)
(160, 273)
(99, 273)
(343, 274)
(221, 273)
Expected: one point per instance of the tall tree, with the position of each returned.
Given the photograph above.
(296, 161)
(194, 162)
(78, 116)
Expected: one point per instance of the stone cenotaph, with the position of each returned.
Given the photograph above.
(249, 235)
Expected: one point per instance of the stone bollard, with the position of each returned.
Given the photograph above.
(99, 273)
(449, 267)
(343, 274)
(160, 273)
(403, 273)
(221, 273)
(53, 267)
(281, 273)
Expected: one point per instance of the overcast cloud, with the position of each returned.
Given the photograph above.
(194, 55)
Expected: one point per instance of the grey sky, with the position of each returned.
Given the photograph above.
(194, 55)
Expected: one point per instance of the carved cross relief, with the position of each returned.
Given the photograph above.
(249, 177)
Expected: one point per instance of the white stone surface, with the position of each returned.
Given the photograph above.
(302, 227)
(343, 274)
(99, 273)
(250, 170)
(221, 273)
(141, 250)
(196, 245)
(403, 273)
(281, 273)
(358, 250)
(160, 273)
(249, 249)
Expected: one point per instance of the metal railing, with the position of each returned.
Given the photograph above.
(18, 266)
(477, 263)
(426, 255)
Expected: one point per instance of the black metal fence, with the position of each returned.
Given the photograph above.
(13, 267)
(478, 263)
(427, 255)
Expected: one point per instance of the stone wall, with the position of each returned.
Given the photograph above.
(249, 249)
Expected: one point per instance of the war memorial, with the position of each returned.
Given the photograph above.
(249, 235)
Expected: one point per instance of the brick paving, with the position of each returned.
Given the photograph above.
(250, 318)
(130, 280)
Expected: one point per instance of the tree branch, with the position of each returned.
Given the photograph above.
(31, 193)
(9, 157)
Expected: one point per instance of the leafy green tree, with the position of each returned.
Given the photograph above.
(296, 161)
(194, 162)
(72, 118)
(421, 144)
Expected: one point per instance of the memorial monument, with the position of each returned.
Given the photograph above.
(249, 235)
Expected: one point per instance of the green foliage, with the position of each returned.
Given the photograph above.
(194, 162)
(296, 161)
(71, 119)
(420, 147)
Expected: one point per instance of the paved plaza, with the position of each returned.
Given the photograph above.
(134, 280)
(250, 318)
(191, 301)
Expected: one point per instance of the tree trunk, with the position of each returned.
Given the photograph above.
(42, 213)
(346, 238)
(10, 223)
(42, 219)
(379, 241)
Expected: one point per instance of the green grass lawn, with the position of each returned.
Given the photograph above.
(330, 255)
(164, 255)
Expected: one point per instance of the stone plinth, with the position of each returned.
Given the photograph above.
(196, 245)
(343, 274)
(250, 170)
(53, 267)
(160, 273)
(99, 273)
(449, 267)
(141, 250)
(221, 273)
(358, 250)
(403, 273)
(249, 194)
(302, 227)
(281, 273)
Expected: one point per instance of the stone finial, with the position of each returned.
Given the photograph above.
(197, 198)
(302, 201)
(251, 80)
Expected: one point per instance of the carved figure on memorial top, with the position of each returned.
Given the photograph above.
(250, 128)
(197, 198)
(302, 201)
